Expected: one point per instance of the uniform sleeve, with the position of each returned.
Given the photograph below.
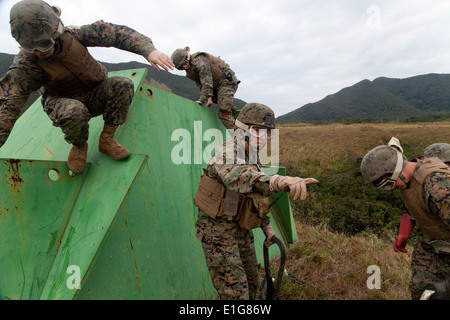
(23, 78)
(241, 178)
(201, 66)
(105, 34)
(437, 189)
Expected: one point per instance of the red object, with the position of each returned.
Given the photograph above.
(406, 227)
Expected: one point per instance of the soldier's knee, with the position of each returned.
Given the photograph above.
(72, 115)
(122, 84)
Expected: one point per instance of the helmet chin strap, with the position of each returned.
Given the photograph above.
(241, 125)
(398, 166)
(395, 143)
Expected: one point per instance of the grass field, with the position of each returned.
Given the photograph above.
(331, 148)
(344, 227)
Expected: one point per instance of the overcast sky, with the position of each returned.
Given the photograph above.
(287, 53)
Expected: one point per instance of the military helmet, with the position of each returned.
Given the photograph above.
(256, 114)
(382, 165)
(180, 56)
(439, 150)
(35, 24)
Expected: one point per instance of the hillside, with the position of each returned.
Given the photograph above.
(423, 97)
(179, 85)
(383, 99)
(345, 226)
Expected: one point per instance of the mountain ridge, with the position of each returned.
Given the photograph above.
(383, 99)
(176, 84)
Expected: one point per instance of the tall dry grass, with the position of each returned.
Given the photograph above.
(324, 145)
(324, 264)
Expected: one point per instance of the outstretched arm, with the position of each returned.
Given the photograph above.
(105, 34)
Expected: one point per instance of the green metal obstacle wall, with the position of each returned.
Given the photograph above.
(120, 230)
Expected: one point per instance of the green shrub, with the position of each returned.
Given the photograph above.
(343, 203)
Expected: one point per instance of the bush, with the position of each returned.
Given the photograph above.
(346, 205)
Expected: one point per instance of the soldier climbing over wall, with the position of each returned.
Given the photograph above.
(74, 86)
(215, 79)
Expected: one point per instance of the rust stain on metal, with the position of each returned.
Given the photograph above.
(16, 180)
(48, 151)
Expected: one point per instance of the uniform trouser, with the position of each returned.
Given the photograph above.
(225, 101)
(112, 98)
(231, 259)
(427, 268)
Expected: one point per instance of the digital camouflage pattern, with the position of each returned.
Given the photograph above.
(437, 190)
(379, 162)
(427, 266)
(230, 257)
(112, 98)
(246, 178)
(439, 150)
(26, 76)
(33, 21)
(222, 94)
(229, 249)
(179, 57)
(257, 114)
(225, 101)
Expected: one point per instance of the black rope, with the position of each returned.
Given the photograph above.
(272, 290)
(276, 200)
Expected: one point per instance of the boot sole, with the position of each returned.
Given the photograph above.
(115, 158)
(74, 170)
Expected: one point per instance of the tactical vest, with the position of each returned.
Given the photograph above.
(216, 64)
(417, 206)
(72, 71)
(216, 201)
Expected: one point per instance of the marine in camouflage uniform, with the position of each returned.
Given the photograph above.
(425, 189)
(215, 79)
(74, 85)
(226, 235)
(439, 150)
(407, 223)
(424, 272)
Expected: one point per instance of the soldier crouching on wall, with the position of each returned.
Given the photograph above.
(75, 86)
(233, 199)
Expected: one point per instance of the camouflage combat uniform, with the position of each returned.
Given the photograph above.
(426, 196)
(229, 249)
(112, 97)
(427, 265)
(222, 92)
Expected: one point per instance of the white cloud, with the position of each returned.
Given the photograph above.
(287, 53)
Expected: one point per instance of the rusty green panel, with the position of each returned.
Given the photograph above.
(125, 229)
(36, 199)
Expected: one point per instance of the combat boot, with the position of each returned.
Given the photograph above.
(109, 145)
(77, 158)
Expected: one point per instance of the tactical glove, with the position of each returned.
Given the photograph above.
(404, 232)
(268, 231)
(295, 185)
